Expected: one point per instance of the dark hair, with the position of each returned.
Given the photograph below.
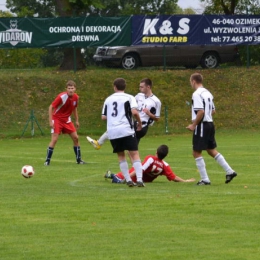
(147, 82)
(120, 83)
(162, 151)
(71, 83)
(197, 77)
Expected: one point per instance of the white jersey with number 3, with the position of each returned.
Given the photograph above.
(202, 99)
(117, 108)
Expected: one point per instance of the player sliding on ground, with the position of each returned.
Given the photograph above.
(153, 166)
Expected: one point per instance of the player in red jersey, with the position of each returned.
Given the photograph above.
(60, 111)
(153, 166)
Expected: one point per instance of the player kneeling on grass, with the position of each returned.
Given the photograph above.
(152, 166)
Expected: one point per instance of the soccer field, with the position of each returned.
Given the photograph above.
(69, 211)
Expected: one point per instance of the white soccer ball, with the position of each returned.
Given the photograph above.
(27, 171)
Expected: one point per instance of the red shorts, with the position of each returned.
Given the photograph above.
(61, 127)
(121, 176)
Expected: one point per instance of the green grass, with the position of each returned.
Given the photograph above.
(235, 89)
(68, 211)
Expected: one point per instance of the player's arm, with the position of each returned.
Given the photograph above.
(199, 117)
(51, 109)
(104, 112)
(151, 115)
(179, 179)
(76, 116)
(137, 118)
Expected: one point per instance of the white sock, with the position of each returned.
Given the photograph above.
(138, 170)
(202, 169)
(124, 169)
(102, 138)
(223, 163)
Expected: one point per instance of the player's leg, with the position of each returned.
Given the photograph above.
(134, 155)
(200, 163)
(54, 139)
(124, 168)
(116, 178)
(212, 144)
(200, 143)
(140, 134)
(230, 173)
(98, 143)
(76, 147)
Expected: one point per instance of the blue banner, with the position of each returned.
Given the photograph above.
(196, 30)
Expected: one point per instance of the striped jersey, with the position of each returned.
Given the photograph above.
(202, 99)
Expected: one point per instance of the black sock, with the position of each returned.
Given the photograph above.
(77, 153)
(49, 154)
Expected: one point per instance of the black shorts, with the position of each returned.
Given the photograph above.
(204, 137)
(128, 143)
(141, 133)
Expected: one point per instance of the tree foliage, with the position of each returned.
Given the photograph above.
(230, 7)
(237, 7)
(50, 8)
(5, 14)
(22, 8)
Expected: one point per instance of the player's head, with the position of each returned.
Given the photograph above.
(162, 151)
(196, 79)
(145, 86)
(71, 87)
(120, 84)
(147, 82)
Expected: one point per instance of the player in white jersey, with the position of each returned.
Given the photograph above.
(119, 110)
(149, 108)
(204, 130)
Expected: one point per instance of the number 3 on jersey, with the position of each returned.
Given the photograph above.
(115, 113)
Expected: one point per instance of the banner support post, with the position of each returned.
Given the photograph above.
(31, 119)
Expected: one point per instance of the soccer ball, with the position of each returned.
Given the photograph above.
(27, 171)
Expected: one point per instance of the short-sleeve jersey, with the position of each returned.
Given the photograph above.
(117, 108)
(152, 103)
(153, 167)
(202, 99)
(64, 106)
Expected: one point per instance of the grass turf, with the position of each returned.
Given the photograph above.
(68, 211)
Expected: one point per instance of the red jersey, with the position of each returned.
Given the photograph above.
(152, 168)
(64, 106)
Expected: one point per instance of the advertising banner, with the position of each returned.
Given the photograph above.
(196, 30)
(64, 32)
(82, 32)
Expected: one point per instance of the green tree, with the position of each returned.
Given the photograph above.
(5, 14)
(128, 7)
(22, 8)
(230, 7)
